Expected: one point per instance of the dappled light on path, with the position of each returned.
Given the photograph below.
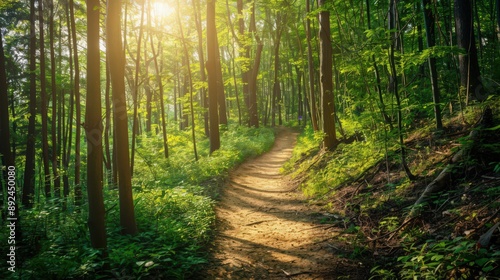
(265, 227)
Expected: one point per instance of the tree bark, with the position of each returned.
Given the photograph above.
(29, 169)
(78, 187)
(93, 129)
(330, 141)
(5, 148)
(135, 94)
(470, 75)
(190, 79)
(310, 66)
(431, 42)
(117, 73)
(212, 76)
(394, 85)
(43, 104)
(55, 143)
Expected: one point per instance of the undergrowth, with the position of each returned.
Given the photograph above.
(174, 208)
(368, 188)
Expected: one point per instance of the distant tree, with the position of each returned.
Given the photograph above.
(117, 73)
(93, 129)
(330, 141)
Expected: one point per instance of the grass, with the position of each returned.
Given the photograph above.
(174, 208)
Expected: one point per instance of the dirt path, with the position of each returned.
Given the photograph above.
(266, 230)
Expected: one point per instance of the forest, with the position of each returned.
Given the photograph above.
(121, 123)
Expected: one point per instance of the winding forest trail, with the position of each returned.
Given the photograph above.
(266, 229)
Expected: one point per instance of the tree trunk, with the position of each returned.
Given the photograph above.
(203, 75)
(190, 79)
(212, 76)
(5, 148)
(310, 66)
(431, 42)
(394, 86)
(252, 81)
(470, 76)
(43, 104)
(117, 73)
(221, 97)
(78, 187)
(326, 64)
(93, 129)
(55, 143)
(135, 94)
(162, 106)
(29, 169)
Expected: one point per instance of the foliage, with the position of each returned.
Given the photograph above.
(457, 258)
(174, 214)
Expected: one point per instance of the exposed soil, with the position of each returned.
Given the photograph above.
(267, 230)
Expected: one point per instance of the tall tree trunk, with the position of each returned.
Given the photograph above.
(5, 148)
(93, 129)
(110, 163)
(55, 143)
(310, 66)
(29, 169)
(78, 187)
(43, 104)
(431, 42)
(117, 73)
(326, 64)
(470, 76)
(136, 90)
(188, 64)
(221, 97)
(275, 99)
(212, 76)
(203, 76)
(394, 85)
(162, 106)
(377, 74)
(68, 136)
(252, 81)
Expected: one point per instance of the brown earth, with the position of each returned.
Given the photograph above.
(266, 229)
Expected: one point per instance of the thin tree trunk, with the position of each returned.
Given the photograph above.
(69, 127)
(117, 73)
(394, 81)
(55, 143)
(310, 63)
(93, 129)
(162, 106)
(431, 42)
(252, 81)
(29, 169)
(78, 187)
(43, 104)
(188, 64)
(136, 90)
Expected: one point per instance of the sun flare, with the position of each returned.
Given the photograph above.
(162, 10)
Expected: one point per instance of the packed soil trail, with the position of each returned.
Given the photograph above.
(266, 229)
